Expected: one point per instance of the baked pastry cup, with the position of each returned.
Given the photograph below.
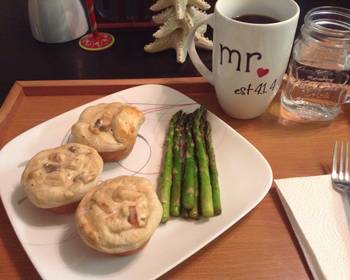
(58, 178)
(110, 128)
(119, 216)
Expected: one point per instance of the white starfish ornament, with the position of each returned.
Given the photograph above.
(177, 41)
(180, 6)
(175, 24)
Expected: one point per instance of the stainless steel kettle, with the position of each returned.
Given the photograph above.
(57, 21)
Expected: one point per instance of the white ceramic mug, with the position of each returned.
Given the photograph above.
(249, 60)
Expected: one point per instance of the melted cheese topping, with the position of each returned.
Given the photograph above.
(62, 175)
(108, 127)
(120, 215)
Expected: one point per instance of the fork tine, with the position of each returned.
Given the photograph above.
(335, 160)
(341, 162)
(346, 169)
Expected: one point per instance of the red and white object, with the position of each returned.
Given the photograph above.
(95, 41)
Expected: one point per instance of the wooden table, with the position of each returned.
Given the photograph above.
(262, 245)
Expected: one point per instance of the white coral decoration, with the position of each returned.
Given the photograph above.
(176, 18)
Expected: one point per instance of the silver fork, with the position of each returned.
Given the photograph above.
(340, 169)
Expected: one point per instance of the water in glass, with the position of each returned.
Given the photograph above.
(319, 67)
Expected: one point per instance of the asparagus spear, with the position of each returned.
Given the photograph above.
(190, 165)
(184, 212)
(194, 213)
(166, 173)
(175, 201)
(213, 170)
(206, 199)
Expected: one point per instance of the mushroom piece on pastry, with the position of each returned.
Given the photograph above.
(110, 128)
(119, 216)
(61, 176)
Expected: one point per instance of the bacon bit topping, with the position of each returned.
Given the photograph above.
(73, 149)
(86, 178)
(51, 167)
(99, 124)
(132, 219)
(56, 157)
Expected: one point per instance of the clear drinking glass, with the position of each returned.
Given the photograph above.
(319, 68)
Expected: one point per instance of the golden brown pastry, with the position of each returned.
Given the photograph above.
(110, 128)
(61, 176)
(119, 216)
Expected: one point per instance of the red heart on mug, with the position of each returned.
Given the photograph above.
(262, 72)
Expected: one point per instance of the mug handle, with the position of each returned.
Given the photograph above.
(197, 62)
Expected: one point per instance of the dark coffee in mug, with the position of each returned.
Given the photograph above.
(258, 19)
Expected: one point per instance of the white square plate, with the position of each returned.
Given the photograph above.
(51, 241)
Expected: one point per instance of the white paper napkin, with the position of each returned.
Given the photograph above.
(320, 217)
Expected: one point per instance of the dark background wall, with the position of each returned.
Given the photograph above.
(24, 58)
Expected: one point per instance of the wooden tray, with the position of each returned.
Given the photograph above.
(262, 245)
(31, 101)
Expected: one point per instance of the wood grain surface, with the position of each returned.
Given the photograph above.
(262, 245)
